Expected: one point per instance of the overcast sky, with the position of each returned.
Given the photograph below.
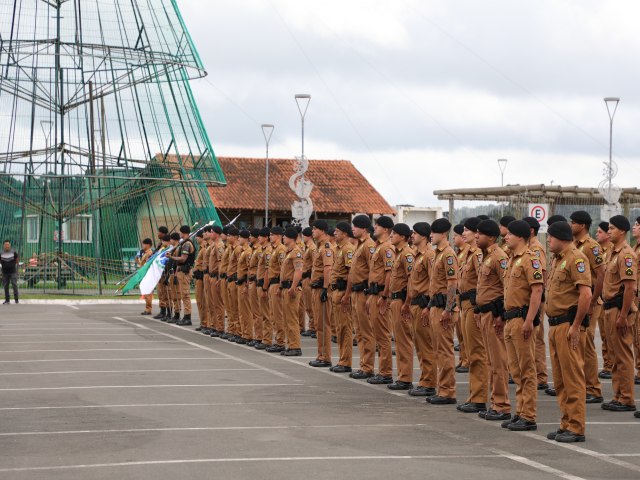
(424, 95)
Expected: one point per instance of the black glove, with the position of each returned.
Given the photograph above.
(324, 296)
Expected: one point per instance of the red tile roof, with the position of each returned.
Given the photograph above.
(338, 186)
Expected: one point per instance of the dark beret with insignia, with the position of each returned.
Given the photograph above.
(472, 224)
(291, 232)
(344, 227)
(506, 220)
(264, 232)
(245, 233)
(361, 221)
(533, 223)
(489, 228)
(441, 225)
(621, 222)
(561, 231)
(402, 229)
(277, 231)
(331, 231)
(422, 228)
(459, 229)
(254, 232)
(321, 225)
(384, 222)
(555, 218)
(307, 232)
(520, 228)
(233, 231)
(581, 217)
(216, 229)
(174, 236)
(483, 217)
(604, 226)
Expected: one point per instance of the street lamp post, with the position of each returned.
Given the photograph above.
(302, 208)
(302, 101)
(502, 164)
(267, 131)
(612, 106)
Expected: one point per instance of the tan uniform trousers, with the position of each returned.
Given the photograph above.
(423, 342)
(256, 312)
(591, 356)
(322, 314)
(208, 301)
(163, 294)
(476, 354)
(621, 348)
(607, 357)
(184, 287)
(308, 303)
(301, 315)
(232, 309)
(463, 360)
(267, 326)
(568, 378)
(216, 318)
(201, 303)
(522, 365)
(445, 357)
(636, 342)
(402, 332)
(498, 364)
(148, 300)
(174, 293)
(277, 315)
(244, 311)
(382, 334)
(224, 297)
(541, 351)
(344, 329)
(291, 308)
(364, 332)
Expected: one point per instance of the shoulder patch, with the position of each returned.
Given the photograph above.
(535, 264)
(449, 259)
(372, 250)
(409, 257)
(389, 254)
(349, 254)
(628, 261)
(629, 272)
(537, 275)
(328, 253)
(596, 250)
(580, 265)
(503, 263)
(298, 255)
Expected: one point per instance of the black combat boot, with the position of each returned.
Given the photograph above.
(163, 312)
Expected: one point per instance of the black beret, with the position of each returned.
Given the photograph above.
(533, 223)
(581, 217)
(277, 231)
(506, 220)
(321, 225)
(217, 229)
(422, 228)
(226, 229)
(166, 238)
(520, 228)
(459, 229)
(361, 221)
(291, 232)
(555, 218)
(483, 217)
(384, 222)
(561, 230)
(441, 225)
(185, 229)
(208, 228)
(402, 229)
(307, 232)
(298, 229)
(604, 226)
(489, 228)
(200, 234)
(254, 232)
(233, 231)
(344, 227)
(264, 232)
(638, 220)
(175, 236)
(472, 224)
(245, 233)
(621, 222)
(331, 231)
(163, 229)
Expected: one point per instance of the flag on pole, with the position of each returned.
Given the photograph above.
(154, 272)
(137, 277)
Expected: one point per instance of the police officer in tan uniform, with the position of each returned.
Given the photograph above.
(252, 281)
(568, 299)
(342, 262)
(523, 285)
(266, 340)
(222, 275)
(378, 302)
(504, 231)
(290, 278)
(580, 224)
(357, 285)
(462, 249)
(185, 260)
(198, 275)
(602, 237)
(618, 291)
(244, 305)
(402, 324)
(636, 327)
(216, 311)
(320, 282)
(471, 332)
(489, 315)
(307, 256)
(541, 350)
(442, 290)
(272, 280)
(416, 305)
(233, 315)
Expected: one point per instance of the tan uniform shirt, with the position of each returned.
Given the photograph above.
(342, 262)
(199, 265)
(421, 273)
(234, 256)
(224, 260)
(622, 265)
(323, 257)
(243, 261)
(381, 262)
(292, 261)
(307, 257)
(491, 278)
(445, 267)
(276, 258)
(215, 256)
(263, 261)
(256, 252)
(470, 270)
(359, 271)
(538, 251)
(402, 267)
(569, 270)
(523, 271)
(593, 253)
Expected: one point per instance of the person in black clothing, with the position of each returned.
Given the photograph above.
(9, 261)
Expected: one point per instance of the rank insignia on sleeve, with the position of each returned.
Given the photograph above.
(409, 268)
(349, 254)
(327, 245)
(629, 272)
(535, 264)
(503, 263)
(537, 275)
(298, 255)
(628, 262)
(372, 250)
(389, 254)
(596, 250)
(389, 264)
(409, 258)
(450, 260)
(598, 260)
(450, 272)
(328, 253)
(580, 265)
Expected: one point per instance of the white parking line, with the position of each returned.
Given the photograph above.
(73, 306)
(98, 387)
(149, 405)
(86, 341)
(134, 371)
(72, 335)
(112, 359)
(98, 350)
(538, 466)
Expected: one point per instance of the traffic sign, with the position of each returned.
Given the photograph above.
(540, 211)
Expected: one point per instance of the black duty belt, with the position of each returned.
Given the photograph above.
(223, 275)
(306, 274)
(274, 280)
(286, 284)
(232, 278)
(317, 284)
(359, 287)
(252, 278)
(401, 295)
(568, 317)
(242, 280)
(439, 300)
(469, 295)
(261, 282)
(520, 312)
(421, 300)
(213, 275)
(340, 285)
(374, 289)
(615, 302)
(496, 307)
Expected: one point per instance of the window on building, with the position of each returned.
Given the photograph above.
(33, 228)
(77, 229)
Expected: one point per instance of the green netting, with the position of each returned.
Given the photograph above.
(101, 140)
